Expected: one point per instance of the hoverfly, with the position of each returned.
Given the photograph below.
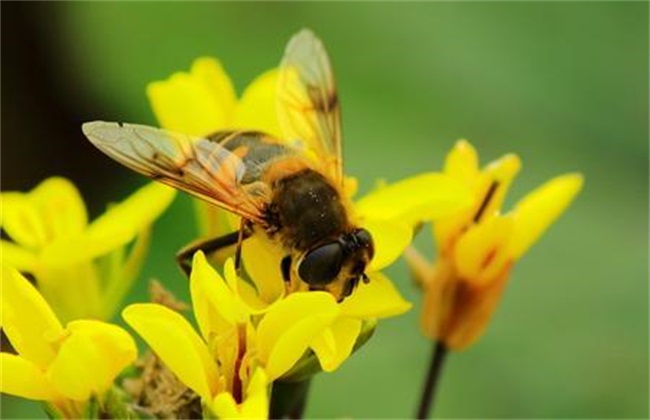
(290, 190)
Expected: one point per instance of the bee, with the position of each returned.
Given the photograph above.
(290, 190)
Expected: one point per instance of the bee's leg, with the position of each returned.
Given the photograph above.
(245, 230)
(285, 266)
(184, 256)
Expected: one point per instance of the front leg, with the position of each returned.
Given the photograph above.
(209, 246)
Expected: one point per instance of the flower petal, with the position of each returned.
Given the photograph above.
(51, 211)
(73, 291)
(481, 246)
(390, 239)
(254, 406)
(462, 162)
(22, 220)
(61, 207)
(18, 257)
(198, 103)
(172, 338)
(538, 210)
(489, 190)
(224, 406)
(27, 319)
(115, 228)
(290, 326)
(502, 172)
(107, 348)
(416, 199)
(256, 109)
(335, 345)
(256, 401)
(262, 263)
(24, 379)
(213, 302)
(376, 299)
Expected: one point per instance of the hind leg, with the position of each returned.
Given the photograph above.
(185, 255)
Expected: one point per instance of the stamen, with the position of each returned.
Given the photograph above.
(486, 201)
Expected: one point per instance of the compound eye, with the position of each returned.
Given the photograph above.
(365, 240)
(321, 265)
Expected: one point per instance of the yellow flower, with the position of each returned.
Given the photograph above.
(244, 345)
(203, 101)
(54, 242)
(478, 246)
(63, 366)
(221, 365)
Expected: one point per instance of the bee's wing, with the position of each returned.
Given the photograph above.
(198, 166)
(308, 105)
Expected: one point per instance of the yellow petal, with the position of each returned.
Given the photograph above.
(27, 319)
(262, 259)
(335, 345)
(62, 207)
(390, 238)
(212, 299)
(107, 348)
(224, 406)
(256, 109)
(116, 346)
(172, 338)
(256, 401)
(290, 326)
(17, 257)
(131, 216)
(115, 228)
(377, 299)
(22, 221)
(24, 379)
(462, 162)
(215, 80)
(53, 210)
(254, 406)
(489, 190)
(502, 172)
(539, 209)
(198, 103)
(73, 291)
(249, 296)
(416, 199)
(481, 246)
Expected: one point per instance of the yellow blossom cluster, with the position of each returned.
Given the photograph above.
(252, 329)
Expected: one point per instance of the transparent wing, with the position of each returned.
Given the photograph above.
(308, 105)
(197, 166)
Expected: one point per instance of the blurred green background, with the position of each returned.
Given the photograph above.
(565, 85)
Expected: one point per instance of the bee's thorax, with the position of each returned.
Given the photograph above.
(305, 209)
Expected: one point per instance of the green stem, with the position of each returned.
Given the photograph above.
(429, 390)
(288, 399)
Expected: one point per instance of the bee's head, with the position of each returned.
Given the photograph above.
(337, 266)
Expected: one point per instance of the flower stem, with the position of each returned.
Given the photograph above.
(429, 390)
(288, 399)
